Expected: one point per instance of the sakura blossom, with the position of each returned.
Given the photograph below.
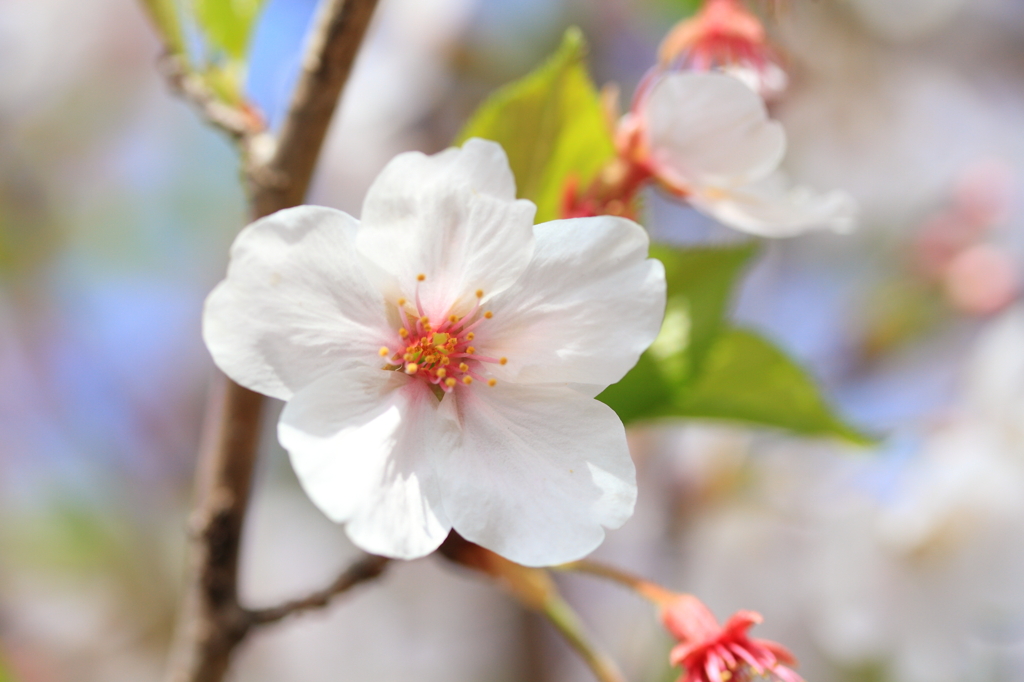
(440, 357)
(707, 138)
(713, 653)
(725, 36)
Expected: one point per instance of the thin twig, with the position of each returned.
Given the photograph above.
(535, 590)
(561, 615)
(366, 568)
(642, 586)
(605, 571)
(212, 622)
(240, 123)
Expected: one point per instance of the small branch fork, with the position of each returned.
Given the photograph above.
(277, 172)
(366, 568)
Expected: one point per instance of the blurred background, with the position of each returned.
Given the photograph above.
(904, 563)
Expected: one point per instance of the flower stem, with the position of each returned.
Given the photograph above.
(645, 588)
(535, 590)
(561, 615)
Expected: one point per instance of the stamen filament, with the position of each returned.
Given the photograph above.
(419, 306)
(484, 358)
(471, 327)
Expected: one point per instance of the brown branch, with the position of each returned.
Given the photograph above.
(325, 70)
(366, 568)
(212, 622)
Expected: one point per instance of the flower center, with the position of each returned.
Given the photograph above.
(441, 352)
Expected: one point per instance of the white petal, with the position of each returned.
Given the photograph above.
(453, 217)
(539, 471)
(296, 300)
(363, 443)
(585, 309)
(771, 208)
(709, 128)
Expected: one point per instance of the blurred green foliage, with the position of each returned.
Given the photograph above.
(553, 128)
(684, 7)
(672, 11)
(700, 281)
(746, 378)
(5, 675)
(700, 285)
(700, 366)
(164, 14)
(226, 27)
(551, 124)
(228, 24)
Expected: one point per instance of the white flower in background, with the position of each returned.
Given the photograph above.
(707, 138)
(440, 357)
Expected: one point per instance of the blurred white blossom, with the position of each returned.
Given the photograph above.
(707, 137)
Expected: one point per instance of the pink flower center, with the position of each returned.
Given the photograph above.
(441, 351)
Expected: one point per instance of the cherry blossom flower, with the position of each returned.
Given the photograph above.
(713, 653)
(439, 357)
(725, 36)
(707, 138)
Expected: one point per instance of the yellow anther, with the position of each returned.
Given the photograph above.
(463, 367)
(420, 277)
(453, 318)
(412, 368)
(442, 372)
(424, 320)
(503, 361)
(479, 293)
(488, 314)
(470, 349)
(403, 332)
(384, 352)
(445, 359)
(402, 301)
(492, 382)
(470, 336)
(467, 380)
(449, 382)
(407, 357)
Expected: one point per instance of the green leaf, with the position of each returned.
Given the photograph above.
(700, 284)
(228, 24)
(5, 674)
(164, 14)
(748, 379)
(551, 124)
(699, 366)
(643, 393)
(701, 281)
